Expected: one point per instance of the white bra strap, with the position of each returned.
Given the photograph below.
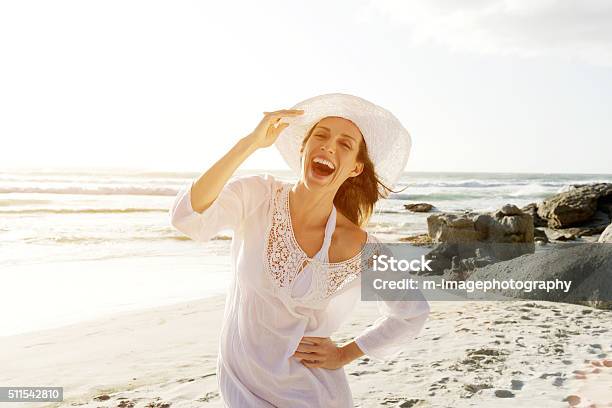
(329, 231)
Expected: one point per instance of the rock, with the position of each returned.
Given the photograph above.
(452, 228)
(605, 205)
(576, 205)
(509, 225)
(462, 268)
(539, 235)
(588, 267)
(504, 394)
(414, 402)
(566, 234)
(420, 239)
(503, 235)
(511, 209)
(606, 236)
(442, 255)
(583, 211)
(594, 226)
(420, 207)
(572, 400)
(508, 236)
(532, 209)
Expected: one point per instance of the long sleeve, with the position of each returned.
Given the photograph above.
(400, 322)
(237, 200)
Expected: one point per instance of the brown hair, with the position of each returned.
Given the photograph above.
(356, 197)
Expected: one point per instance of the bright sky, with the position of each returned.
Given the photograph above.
(490, 85)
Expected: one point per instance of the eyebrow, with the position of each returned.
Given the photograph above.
(343, 134)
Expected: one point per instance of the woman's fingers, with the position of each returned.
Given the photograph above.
(285, 112)
(307, 348)
(307, 356)
(274, 118)
(270, 127)
(314, 340)
(282, 111)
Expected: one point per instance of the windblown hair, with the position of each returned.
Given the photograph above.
(356, 197)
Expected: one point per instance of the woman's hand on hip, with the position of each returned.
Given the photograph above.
(319, 352)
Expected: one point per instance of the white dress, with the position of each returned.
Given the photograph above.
(271, 305)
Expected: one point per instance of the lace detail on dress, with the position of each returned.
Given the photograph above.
(285, 259)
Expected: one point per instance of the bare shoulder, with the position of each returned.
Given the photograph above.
(348, 240)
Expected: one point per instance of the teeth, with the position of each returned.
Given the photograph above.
(325, 162)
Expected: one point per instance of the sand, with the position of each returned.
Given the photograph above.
(502, 354)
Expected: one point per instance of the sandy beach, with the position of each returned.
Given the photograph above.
(518, 353)
(109, 249)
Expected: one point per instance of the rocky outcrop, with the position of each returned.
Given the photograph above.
(576, 206)
(532, 209)
(587, 266)
(583, 210)
(419, 207)
(566, 234)
(596, 225)
(508, 225)
(453, 228)
(462, 268)
(606, 236)
(501, 235)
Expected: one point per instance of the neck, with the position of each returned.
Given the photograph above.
(311, 209)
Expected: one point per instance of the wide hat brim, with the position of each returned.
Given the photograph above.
(387, 141)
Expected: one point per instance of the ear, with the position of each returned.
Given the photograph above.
(357, 169)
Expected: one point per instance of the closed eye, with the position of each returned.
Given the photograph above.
(322, 136)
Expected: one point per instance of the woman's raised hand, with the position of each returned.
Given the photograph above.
(271, 126)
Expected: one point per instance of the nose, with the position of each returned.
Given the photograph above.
(327, 147)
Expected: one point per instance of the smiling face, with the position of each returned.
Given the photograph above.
(330, 153)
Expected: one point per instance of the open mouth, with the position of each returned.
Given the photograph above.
(322, 167)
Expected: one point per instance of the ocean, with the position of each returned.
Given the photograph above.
(77, 245)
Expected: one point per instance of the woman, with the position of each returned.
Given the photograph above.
(298, 249)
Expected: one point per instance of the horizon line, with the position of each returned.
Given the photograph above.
(287, 170)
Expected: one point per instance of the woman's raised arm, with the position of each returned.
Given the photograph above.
(208, 186)
(214, 202)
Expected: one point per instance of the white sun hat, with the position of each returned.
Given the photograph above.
(387, 141)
